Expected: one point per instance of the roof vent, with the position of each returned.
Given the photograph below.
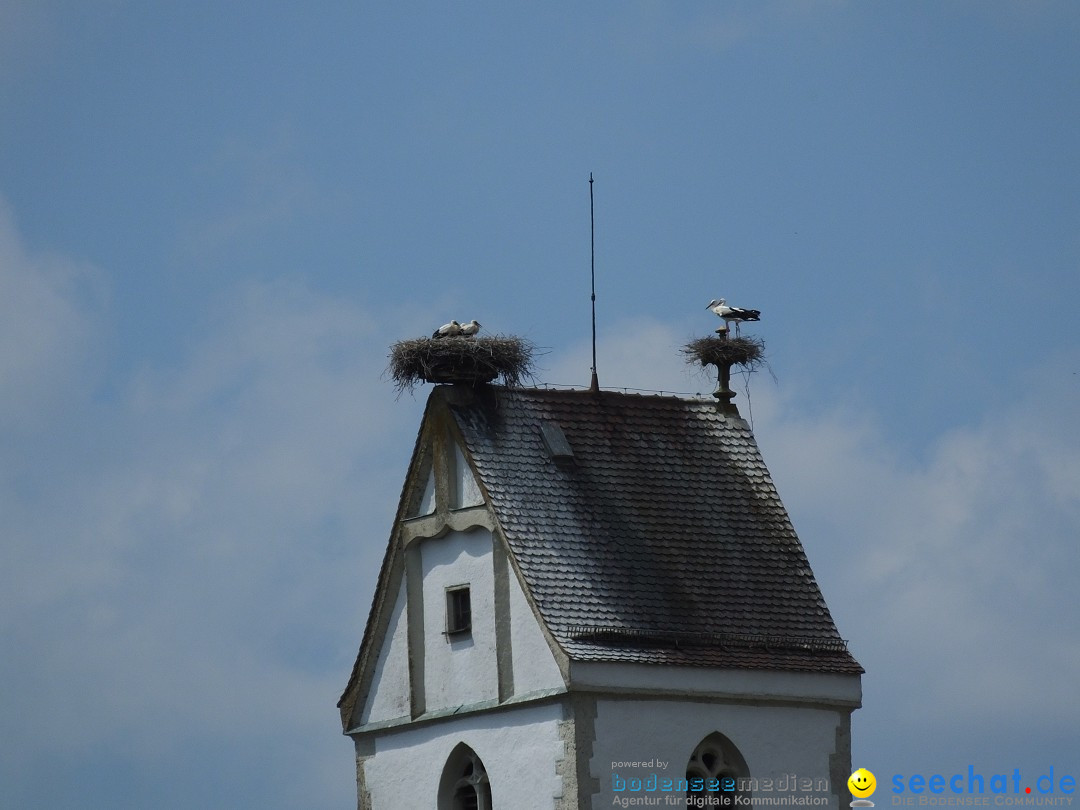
(555, 441)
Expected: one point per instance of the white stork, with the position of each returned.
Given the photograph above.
(451, 329)
(732, 314)
(471, 328)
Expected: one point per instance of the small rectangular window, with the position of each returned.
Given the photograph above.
(458, 610)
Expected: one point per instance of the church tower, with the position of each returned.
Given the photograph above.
(595, 599)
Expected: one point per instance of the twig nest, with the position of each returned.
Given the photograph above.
(724, 351)
(470, 360)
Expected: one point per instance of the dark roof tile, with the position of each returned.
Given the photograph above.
(666, 523)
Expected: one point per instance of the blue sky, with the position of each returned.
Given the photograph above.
(215, 219)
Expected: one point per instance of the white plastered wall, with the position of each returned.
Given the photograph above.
(821, 687)
(466, 491)
(775, 740)
(388, 698)
(459, 670)
(426, 504)
(534, 665)
(519, 749)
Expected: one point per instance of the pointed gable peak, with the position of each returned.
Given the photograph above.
(442, 477)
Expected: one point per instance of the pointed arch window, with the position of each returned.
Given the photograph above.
(717, 771)
(464, 784)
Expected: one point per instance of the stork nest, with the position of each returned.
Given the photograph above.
(724, 351)
(461, 360)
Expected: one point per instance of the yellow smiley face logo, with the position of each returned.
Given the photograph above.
(862, 783)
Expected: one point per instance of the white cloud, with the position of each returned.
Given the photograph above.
(954, 565)
(188, 575)
(49, 326)
(641, 354)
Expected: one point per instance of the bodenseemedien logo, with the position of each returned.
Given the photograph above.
(862, 785)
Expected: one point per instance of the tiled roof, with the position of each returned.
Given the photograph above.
(663, 540)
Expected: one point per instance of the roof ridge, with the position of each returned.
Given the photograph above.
(623, 389)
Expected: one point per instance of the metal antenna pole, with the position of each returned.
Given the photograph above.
(595, 384)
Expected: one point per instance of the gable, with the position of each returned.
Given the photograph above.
(445, 537)
(440, 476)
(420, 667)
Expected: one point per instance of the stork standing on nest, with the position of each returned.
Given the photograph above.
(731, 315)
(451, 329)
(471, 328)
